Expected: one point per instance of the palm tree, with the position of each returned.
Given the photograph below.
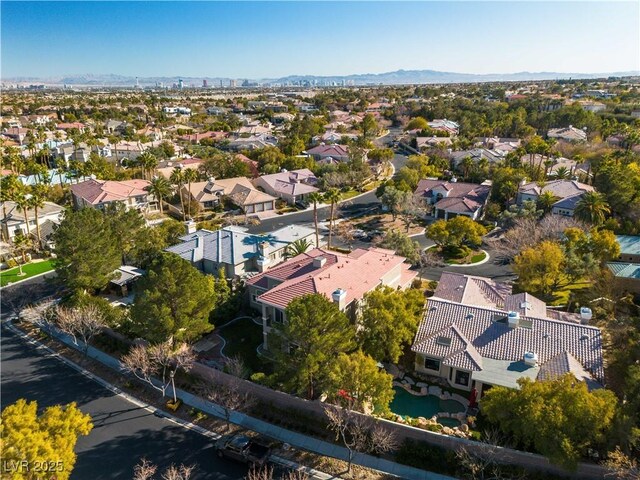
(23, 202)
(21, 243)
(159, 188)
(298, 247)
(315, 197)
(332, 196)
(467, 164)
(177, 178)
(36, 201)
(148, 162)
(190, 175)
(546, 200)
(562, 173)
(592, 208)
(9, 189)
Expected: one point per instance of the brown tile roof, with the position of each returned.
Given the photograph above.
(100, 191)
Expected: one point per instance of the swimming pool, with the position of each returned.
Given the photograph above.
(427, 406)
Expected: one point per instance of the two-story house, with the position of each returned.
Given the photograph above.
(342, 278)
(567, 192)
(237, 252)
(293, 187)
(452, 198)
(16, 222)
(101, 193)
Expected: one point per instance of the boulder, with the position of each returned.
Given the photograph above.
(464, 428)
(394, 371)
(447, 431)
(409, 380)
(422, 385)
(435, 390)
(422, 421)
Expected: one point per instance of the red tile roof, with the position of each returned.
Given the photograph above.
(357, 273)
(100, 191)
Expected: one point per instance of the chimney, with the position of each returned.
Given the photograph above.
(340, 298)
(585, 315)
(319, 262)
(263, 257)
(513, 319)
(190, 227)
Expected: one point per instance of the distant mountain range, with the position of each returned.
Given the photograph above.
(398, 77)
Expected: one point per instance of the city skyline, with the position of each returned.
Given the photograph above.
(259, 40)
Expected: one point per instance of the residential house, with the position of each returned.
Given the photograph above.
(166, 168)
(15, 221)
(452, 198)
(331, 136)
(477, 154)
(342, 278)
(476, 334)
(125, 279)
(238, 191)
(252, 164)
(329, 153)
(16, 134)
(626, 276)
(444, 125)
(568, 192)
(568, 134)
(253, 142)
(237, 252)
(423, 143)
(293, 187)
(629, 248)
(71, 126)
(102, 193)
(196, 138)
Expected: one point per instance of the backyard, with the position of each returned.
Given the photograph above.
(29, 270)
(242, 338)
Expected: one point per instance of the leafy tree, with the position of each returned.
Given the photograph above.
(393, 199)
(87, 250)
(456, 232)
(559, 418)
(173, 300)
(48, 439)
(389, 321)
(369, 126)
(417, 123)
(592, 208)
(539, 268)
(314, 334)
(506, 181)
(380, 155)
(402, 244)
(358, 376)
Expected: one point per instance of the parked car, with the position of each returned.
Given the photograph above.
(242, 448)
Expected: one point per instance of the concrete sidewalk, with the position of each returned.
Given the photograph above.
(295, 439)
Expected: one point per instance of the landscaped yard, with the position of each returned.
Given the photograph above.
(29, 270)
(561, 296)
(242, 338)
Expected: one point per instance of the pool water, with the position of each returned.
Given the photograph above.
(406, 404)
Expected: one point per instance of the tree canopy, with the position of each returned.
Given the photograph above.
(173, 300)
(389, 321)
(539, 268)
(46, 442)
(314, 334)
(559, 418)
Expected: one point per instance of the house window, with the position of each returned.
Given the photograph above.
(462, 378)
(254, 298)
(432, 364)
(279, 316)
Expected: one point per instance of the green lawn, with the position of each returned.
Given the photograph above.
(561, 296)
(243, 337)
(349, 194)
(29, 270)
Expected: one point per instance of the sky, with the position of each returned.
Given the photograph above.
(268, 40)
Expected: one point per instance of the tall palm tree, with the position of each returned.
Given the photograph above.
(23, 202)
(315, 197)
(332, 196)
(148, 162)
(177, 178)
(190, 175)
(9, 189)
(36, 201)
(159, 188)
(592, 208)
(21, 243)
(467, 164)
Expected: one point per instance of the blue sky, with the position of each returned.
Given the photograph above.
(265, 39)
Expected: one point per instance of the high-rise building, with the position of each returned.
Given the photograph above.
(180, 84)
(232, 83)
(205, 84)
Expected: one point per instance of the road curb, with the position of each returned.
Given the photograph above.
(13, 284)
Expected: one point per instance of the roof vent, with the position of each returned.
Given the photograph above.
(339, 296)
(584, 336)
(585, 315)
(530, 359)
(470, 316)
(513, 319)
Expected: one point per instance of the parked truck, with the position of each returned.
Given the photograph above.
(242, 448)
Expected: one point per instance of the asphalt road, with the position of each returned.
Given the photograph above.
(123, 433)
(349, 208)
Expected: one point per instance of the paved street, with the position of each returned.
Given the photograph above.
(123, 433)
